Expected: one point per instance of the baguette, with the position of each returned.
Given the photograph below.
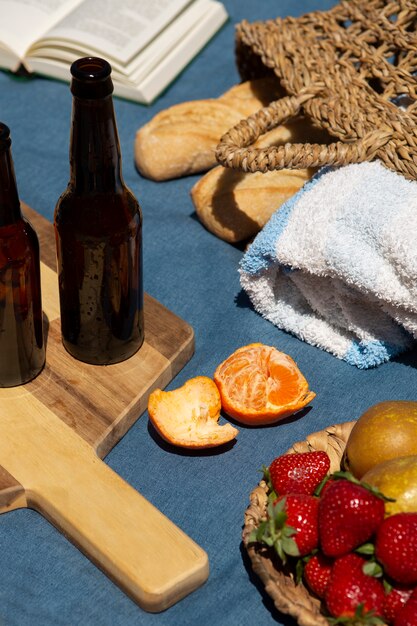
(235, 205)
(182, 139)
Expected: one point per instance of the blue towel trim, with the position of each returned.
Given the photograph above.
(368, 354)
(263, 248)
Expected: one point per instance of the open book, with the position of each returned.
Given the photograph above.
(147, 42)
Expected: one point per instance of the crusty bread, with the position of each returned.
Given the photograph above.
(247, 97)
(235, 205)
(182, 139)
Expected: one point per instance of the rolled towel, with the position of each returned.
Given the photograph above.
(336, 265)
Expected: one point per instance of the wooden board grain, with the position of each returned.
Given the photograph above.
(54, 429)
(72, 386)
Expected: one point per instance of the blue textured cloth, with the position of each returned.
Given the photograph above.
(44, 580)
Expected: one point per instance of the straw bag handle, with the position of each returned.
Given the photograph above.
(235, 149)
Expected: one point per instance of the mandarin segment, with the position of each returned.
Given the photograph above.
(260, 385)
(188, 416)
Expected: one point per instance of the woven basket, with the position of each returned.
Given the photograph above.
(288, 597)
(351, 69)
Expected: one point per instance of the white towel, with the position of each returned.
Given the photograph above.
(337, 264)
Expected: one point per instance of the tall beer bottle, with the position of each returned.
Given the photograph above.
(98, 228)
(22, 349)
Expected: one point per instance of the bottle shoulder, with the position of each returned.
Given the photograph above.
(73, 200)
(20, 228)
(19, 242)
(98, 211)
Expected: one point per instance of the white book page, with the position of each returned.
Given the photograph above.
(157, 50)
(179, 56)
(117, 29)
(24, 21)
(143, 62)
(158, 79)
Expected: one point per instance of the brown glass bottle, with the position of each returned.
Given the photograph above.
(98, 228)
(22, 350)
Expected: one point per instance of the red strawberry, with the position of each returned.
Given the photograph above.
(302, 515)
(299, 473)
(394, 601)
(407, 616)
(317, 573)
(350, 592)
(396, 547)
(349, 514)
(291, 527)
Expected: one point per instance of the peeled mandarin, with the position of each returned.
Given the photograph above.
(260, 385)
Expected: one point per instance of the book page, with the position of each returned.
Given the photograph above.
(23, 21)
(116, 30)
(189, 45)
(145, 91)
(167, 40)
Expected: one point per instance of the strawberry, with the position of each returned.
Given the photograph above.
(298, 473)
(302, 515)
(317, 573)
(396, 547)
(350, 592)
(291, 527)
(394, 601)
(349, 514)
(407, 616)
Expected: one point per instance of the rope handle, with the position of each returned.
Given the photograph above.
(236, 151)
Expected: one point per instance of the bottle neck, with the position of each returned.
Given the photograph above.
(95, 159)
(9, 199)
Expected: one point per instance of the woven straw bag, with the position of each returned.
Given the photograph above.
(351, 69)
(288, 597)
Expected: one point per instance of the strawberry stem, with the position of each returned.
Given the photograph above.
(360, 618)
(351, 478)
(320, 486)
(368, 549)
(275, 533)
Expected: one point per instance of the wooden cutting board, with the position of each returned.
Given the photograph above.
(54, 430)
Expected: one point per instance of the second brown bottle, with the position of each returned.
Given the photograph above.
(98, 228)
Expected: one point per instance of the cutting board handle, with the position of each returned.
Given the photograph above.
(118, 529)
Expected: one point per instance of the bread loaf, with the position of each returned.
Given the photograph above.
(182, 139)
(235, 205)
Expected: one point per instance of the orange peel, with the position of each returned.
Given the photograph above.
(260, 385)
(188, 416)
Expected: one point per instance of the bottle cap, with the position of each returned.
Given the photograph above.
(91, 78)
(5, 141)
